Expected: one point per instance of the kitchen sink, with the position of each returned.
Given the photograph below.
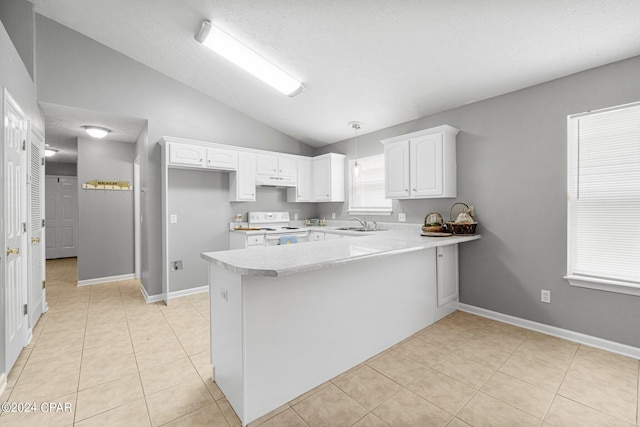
(358, 229)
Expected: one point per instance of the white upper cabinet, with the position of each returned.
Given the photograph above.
(318, 179)
(328, 178)
(303, 191)
(242, 184)
(222, 159)
(426, 166)
(266, 164)
(287, 166)
(187, 154)
(421, 164)
(200, 156)
(274, 165)
(396, 159)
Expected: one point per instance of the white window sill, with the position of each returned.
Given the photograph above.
(617, 286)
(358, 211)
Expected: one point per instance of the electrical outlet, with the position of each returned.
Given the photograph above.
(545, 296)
(174, 219)
(295, 216)
(333, 215)
(402, 217)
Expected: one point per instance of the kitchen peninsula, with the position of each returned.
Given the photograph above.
(285, 319)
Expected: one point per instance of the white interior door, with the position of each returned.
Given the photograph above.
(61, 216)
(15, 229)
(36, 193)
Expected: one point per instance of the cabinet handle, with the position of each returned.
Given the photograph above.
(414, 189)
(440, 256)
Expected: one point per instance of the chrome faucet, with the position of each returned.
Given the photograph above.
(362, 222)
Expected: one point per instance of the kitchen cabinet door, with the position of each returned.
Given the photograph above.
(396, 159)
(266, 164)
(426, 165)
(328, 178)
(303, 191)
(242, 184)
(322, 179)
(186, 154)
(316, 236)
(222, 159)
(287, 166)
(447, 280)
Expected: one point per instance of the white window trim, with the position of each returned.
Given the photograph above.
(597, 283)
(604, 285)
(363, 211)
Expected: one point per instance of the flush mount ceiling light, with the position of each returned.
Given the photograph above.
(96, 131)
(48, 151)
(356, 126)
(225, 45)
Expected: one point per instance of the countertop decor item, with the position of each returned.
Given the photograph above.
(463, 222)
(433, 223)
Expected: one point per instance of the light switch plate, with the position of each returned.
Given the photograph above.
(402, 217)
(174, 219)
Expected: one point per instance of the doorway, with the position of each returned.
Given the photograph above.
(61, 218)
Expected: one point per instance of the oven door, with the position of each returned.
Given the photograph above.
(275, 239)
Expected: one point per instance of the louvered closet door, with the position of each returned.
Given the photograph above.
(36, 187)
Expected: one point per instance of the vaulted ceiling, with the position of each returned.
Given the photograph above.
(381, 62)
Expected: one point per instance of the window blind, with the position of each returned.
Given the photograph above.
(604, 196)
(367, 189)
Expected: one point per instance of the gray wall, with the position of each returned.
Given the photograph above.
(16, 79)
(17, 16)
(58, 168)
(76, 71)
(105, 218)
(511, 155)
(200, 199)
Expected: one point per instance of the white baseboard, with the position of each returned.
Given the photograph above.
(160, 297)
(3, 383)
(612, 346)
(108, 279)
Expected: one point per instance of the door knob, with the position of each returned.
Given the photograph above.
(13, 251)
(35, 240)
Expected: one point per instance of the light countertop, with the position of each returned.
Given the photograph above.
(276, 261)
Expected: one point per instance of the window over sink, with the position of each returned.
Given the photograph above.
(366, 190)
(603, 199)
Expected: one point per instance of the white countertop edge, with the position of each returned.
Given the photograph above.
(256, 272)
(414, 243)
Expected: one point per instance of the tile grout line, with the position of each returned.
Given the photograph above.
(144, 395)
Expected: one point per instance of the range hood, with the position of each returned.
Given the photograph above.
(275, 181)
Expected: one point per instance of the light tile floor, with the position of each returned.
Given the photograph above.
(119, 361)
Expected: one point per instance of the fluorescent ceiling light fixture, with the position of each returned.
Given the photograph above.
(48, 152)
(96, 131)
(225, 45)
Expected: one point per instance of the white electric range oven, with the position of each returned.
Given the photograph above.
(267, 229)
